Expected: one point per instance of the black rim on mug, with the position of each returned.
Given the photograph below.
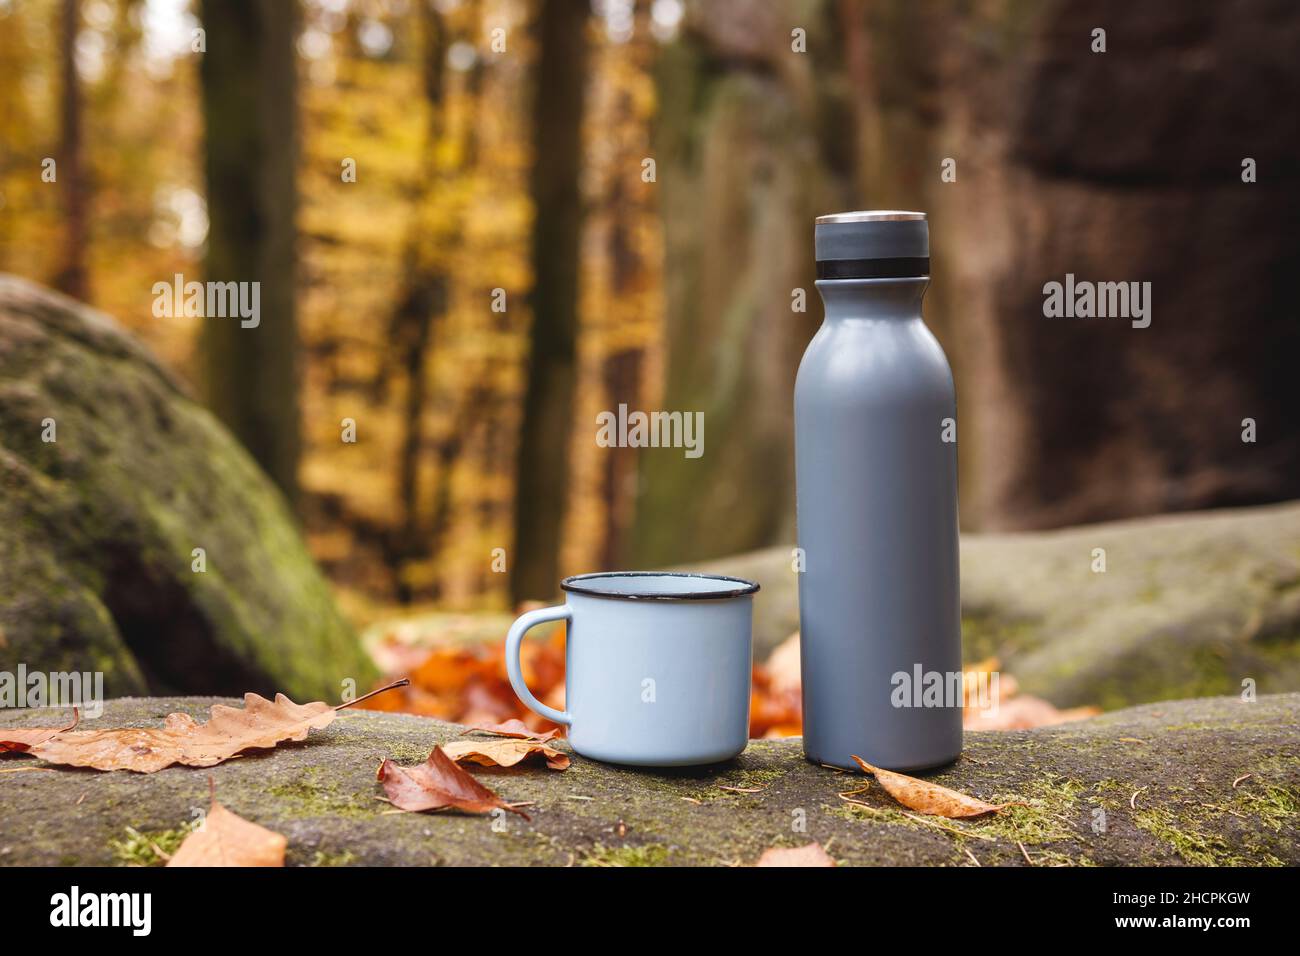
(578, 584)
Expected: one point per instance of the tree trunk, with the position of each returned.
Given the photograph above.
(421, 306)
(543, 457)
(249, 86)
(742, 172)
(71, 277)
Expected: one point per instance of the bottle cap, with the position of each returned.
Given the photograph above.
(872, 244)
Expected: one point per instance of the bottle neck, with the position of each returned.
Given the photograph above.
(873, 298)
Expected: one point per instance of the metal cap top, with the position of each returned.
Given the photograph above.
(872, 244)
(872, 215)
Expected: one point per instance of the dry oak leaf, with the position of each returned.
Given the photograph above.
(504, 752)
(22, 739)
(925, 797)
(227, 839)
(229, 731)
(811, 854)
(438, 784)
(259, 725)
(514, 727)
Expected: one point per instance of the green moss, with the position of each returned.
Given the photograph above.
(407, 755)
(1272, 805)
(1196, 848)
(1197, 832)
(1046, 818)
(731, 786)
(312, 799)
(988, 633)
(762, 778)
(152, 848)
(1166, 667)
(341, 858)
(1149, 595)
(886, 815)
(649, 854)
(141, 475)
(1042, 819)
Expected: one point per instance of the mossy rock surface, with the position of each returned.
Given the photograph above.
(98, 528)
(1189, 605)
(1189, 782)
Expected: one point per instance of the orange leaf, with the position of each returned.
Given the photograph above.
(229, 730)
(260, 725)
(514, 727)
(448, 669)
(1022, 713)
(504, 752)
(783, 665)
(226, 839)
(810, 855)
(438, 784)
(22, 739)
(925, 797)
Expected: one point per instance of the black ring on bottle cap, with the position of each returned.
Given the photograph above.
(903, 267)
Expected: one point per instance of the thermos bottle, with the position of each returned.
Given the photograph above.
(876, 473)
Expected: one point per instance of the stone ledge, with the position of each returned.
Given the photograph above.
(1181, 758)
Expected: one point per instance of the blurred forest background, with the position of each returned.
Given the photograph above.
(478, 223)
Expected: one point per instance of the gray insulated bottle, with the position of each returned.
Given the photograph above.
(879, 602)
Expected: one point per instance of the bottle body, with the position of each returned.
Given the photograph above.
(876, 479)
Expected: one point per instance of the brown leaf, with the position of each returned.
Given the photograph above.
(504, 752)
(226, 839)
(438, 784)
(230, 730)
(259, 725)
(810, 855)
(1024, 712)
(783, 665)
(514, 727)
(925, 797)
(22, 739)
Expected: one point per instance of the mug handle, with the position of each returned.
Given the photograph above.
(514, 639)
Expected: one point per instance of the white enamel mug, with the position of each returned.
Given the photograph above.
(657, 666)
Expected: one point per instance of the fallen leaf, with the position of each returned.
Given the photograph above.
(227, 839)
(438, 784)
(514, 727)
(504, 752)
(468, 683)
(925, 797)
(784, 665)
(447, 670)
(810, 855)
(1024, 712)
(22, 739)
(259, 725)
